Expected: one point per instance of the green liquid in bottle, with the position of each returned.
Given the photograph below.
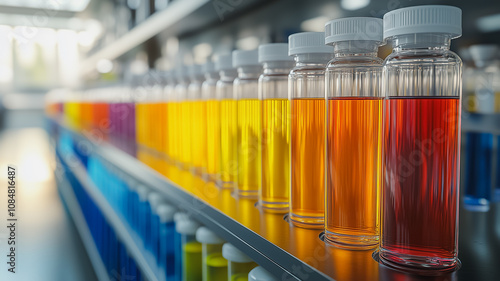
(191, 262)
(239, 277)
(216, 267)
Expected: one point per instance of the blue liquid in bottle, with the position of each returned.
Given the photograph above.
(478, 177)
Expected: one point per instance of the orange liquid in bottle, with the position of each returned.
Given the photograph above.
(354, 171)
(308, 162)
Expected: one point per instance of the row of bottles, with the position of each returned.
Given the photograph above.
(182, 248)
(366, 149)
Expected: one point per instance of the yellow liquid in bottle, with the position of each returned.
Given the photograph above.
(185, 132)
(173, 132)
(229, 143)
(249, 147)
(275, 192)
(139, 129)
(213, 140)
(199, 136)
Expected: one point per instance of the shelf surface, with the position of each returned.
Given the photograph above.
(294, 253)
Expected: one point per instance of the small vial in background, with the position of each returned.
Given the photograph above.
(307, 152)
(178, 217)
(353, 132)
(214, 265)
(228, 121)
(274, 194)
(249, 122)
(152, 241)
(421, 139)
(198, 121)
(143, 222)
(208, 92)
(166, 246)
(191, 249)
(184, 137)
(487, 86)
(239, 264)
(171, 103)
(260, 274)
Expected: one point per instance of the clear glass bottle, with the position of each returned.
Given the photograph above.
(171, 117)
(209, 95)
(183, 126)
(307, 142)
(354, 111)
(423, 84)
(239, 264)
(198, 121)
(249, 122)
(214, 265)
(191, 249)
(228, 121)
(274, 194)
(166, 246)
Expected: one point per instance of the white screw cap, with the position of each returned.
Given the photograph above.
(308, 43)
(224, 62)
(206, 236)
(274, 52)
(483, 53)
(245, 58)
(260, 274)
(424, 19)
(231, 253)
(187, 227)
(356, 28)
(165, 212)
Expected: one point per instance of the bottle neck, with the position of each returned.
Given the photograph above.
(249, 72)
(315, 59)
(228, 74)
(211, 76)
(278, 67)
(356, 48)
(421, 41)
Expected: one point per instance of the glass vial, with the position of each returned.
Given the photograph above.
(307, 142)
(191, 249)
(354, 110)
(249, 122)
(239, 264)
(166, 246)
(213, 263)
(228, 121)
(421, 139)
(208, 92)
(274, 194)
(184, 116)
(197, 108)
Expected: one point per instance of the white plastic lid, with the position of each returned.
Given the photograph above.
(424, 19)
(274, 52)
(308, 43)
(260, 274)
(356, 28)
(187, 227)
(165, 212)
(209, 67)
(231, 253)
(224, 62)
(195, 70)
(143, 192)
(206, 236)
(245, 58)
(154, 199)
(179, 216)
(482, 53)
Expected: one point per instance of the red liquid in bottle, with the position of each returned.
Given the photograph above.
(420, 195)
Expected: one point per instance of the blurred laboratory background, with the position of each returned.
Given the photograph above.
(53, 50)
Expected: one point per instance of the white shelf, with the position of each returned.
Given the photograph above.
(155, 24)
(81, 225)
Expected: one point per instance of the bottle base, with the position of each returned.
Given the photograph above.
(274, 207)
(307, 221)
(421, 265)
(351, 242)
